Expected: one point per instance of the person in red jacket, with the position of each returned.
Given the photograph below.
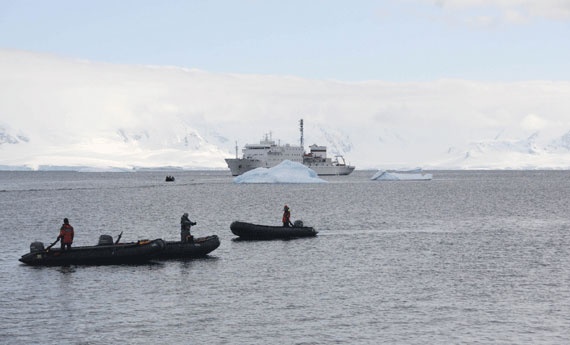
(287, 217)
(66, 235)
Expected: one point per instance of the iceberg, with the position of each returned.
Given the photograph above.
(401, 175)
(286, 172)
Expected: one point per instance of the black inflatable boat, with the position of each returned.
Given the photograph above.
(251, 231)
(198, 248)
(104, 253)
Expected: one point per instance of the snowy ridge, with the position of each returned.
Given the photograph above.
(526, 153)
(8, 138)
(559, 145)
(58, 113)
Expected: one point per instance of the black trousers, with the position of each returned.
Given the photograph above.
(185, 236)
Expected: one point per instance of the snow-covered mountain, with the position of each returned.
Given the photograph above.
(11, 138)
(560, 145)
(526, 153)
(60, 112)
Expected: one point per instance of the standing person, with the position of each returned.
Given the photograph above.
(286, 217)
(185, 225)
(66, 234)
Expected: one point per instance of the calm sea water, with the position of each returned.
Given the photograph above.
(467, 258)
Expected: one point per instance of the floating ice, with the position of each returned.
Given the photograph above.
(401, 175)
(286, 172)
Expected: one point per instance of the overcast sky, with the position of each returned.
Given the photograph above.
(390, 40)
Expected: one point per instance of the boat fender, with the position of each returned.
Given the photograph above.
(298, 224)
(105, 240)
(37, 247)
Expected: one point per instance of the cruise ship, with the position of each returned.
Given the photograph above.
(268, 154)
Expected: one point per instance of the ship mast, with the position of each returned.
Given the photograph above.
(301, 129)
(236, 150)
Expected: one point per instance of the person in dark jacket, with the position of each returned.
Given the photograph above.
(185, 225)
(287, 217)
(66, 234)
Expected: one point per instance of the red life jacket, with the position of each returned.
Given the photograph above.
(286, 216)
(66, 233)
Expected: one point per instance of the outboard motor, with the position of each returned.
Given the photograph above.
(37, 247)
(105, 240)
(298, 224)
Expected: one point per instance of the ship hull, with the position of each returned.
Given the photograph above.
(239, 166)
(331, 170)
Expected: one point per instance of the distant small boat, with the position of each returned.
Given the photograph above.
(105, 253)
(169, 179)
(200, 247)
(251, 231)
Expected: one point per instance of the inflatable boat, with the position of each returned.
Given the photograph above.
(104, 253)
(198, 248)
(251, 231)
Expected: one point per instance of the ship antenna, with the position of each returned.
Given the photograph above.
(301, 129)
